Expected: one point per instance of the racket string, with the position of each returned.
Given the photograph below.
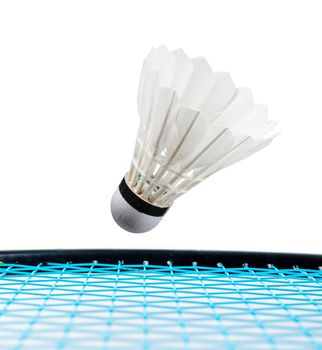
(151, 307)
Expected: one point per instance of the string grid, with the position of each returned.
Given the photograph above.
(151, 307)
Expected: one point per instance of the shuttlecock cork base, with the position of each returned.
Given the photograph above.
(133, 213)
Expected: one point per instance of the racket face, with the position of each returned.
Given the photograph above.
(159, 300)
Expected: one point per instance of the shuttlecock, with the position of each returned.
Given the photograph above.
(193, 123)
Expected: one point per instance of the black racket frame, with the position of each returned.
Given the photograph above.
(161, 257)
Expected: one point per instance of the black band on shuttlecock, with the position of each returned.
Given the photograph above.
(138, 203)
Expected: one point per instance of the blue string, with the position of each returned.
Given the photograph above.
(109, 321)
(223, 329)
(179, 309)
(154, 307)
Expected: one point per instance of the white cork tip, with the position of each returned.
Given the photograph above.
(129, 218)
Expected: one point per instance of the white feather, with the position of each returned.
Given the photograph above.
(193, 123)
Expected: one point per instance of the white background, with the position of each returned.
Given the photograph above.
(69, 72)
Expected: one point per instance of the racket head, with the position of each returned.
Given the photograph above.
(156, 299)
